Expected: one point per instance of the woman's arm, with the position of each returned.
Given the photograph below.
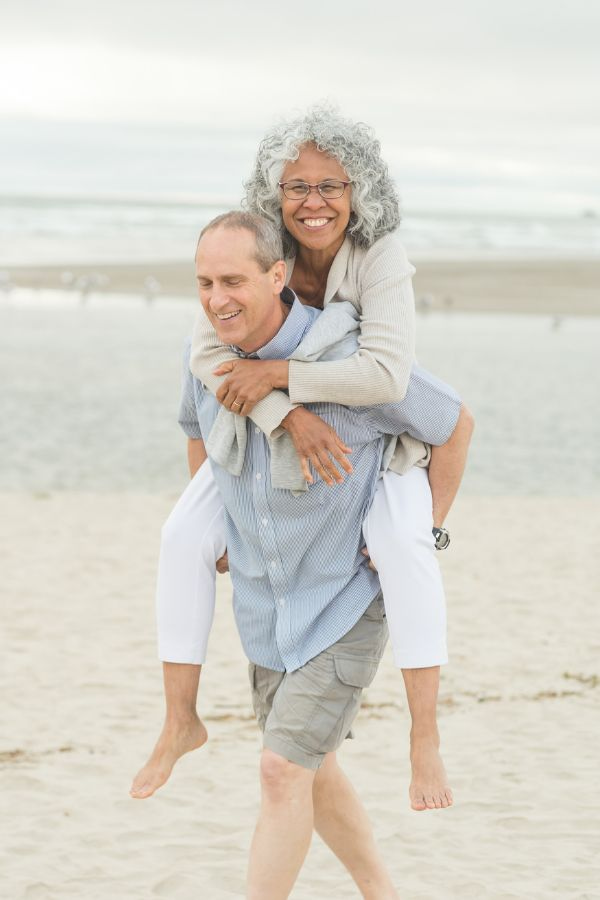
(208, 354)
(316, 442)
(379, 371)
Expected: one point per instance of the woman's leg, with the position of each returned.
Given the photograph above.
(192, 539)
(401, 546)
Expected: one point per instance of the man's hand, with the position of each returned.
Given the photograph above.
(223, 564)
(249, 381)
(317, 444)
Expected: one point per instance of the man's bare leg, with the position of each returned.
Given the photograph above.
(342, 822)
(284, 828)
(183, 730)
(428, 787)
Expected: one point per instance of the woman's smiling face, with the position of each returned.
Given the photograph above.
(316, 223)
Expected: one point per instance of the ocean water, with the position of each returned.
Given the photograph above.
(74, 193)
(89, 395)
(70, 230)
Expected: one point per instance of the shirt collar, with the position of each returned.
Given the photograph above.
(297, 322)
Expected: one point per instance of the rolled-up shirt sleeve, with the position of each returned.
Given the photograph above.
(188, 413)
(429, 411)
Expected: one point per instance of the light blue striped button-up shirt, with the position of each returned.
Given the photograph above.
(300, 581)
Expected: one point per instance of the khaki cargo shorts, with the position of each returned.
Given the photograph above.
(308, 713)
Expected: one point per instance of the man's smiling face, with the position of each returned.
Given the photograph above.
(240, 299)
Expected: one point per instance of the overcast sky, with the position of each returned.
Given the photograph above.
(518, 81)
(158, 61)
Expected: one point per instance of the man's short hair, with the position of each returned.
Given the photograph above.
(267, 238)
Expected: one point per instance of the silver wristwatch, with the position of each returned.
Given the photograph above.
(442, 538)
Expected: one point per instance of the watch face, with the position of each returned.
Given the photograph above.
(442, 538)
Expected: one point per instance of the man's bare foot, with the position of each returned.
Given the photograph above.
(428, 787)
(175, 740)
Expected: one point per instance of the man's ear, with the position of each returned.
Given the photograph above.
(278, 272)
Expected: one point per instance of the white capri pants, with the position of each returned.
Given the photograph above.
(398, 534)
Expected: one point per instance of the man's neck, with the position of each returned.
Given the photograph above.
(271, 330)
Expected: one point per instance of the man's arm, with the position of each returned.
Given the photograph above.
(429, 412)
(432, 412)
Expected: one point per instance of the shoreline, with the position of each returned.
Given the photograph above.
(547, 287)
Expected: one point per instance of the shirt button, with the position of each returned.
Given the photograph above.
(264, 521)
(281, 601)
(258, 476)
(257, 430)
(273, 565)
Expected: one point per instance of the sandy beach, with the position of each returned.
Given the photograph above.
(547, 286)
(91, 467)
(519, 712)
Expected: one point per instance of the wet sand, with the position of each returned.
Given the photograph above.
(557, 287)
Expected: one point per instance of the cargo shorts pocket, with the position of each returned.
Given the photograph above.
(354, 671)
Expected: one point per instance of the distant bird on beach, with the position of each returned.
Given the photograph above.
(152, 288)
(6, 284)
(425, 303)
(83, 284)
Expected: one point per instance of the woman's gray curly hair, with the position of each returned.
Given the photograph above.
(375, 202)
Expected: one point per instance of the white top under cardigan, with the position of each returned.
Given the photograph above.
(377, 281)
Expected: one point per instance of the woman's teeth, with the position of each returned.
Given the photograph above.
(315, 223)
(230, 315)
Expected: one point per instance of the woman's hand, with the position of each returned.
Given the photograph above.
(249, 381)
(317, 444)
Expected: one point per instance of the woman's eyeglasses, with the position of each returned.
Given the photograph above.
(299, 190)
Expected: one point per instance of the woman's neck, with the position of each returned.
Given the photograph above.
(316, 263)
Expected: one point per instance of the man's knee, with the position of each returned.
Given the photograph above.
(279, 777)
(327, 774)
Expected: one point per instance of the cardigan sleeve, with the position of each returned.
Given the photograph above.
(380, 369)
(208, 354)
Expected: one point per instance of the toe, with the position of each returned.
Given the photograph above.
(138, 783)
(430, 802)
(417, 801)
(141, 790)
(449, 796)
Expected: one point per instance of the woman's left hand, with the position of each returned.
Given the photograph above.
(249, 381)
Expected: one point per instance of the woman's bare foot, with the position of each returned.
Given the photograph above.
(176, 739)
(428, 787)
